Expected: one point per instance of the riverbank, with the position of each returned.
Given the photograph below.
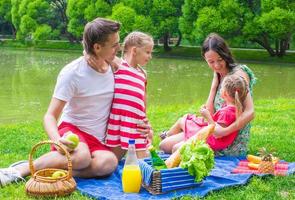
(185, 52)
(272, 128)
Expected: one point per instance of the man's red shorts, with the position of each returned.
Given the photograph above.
(92, 143)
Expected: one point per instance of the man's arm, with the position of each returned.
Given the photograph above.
(51, 117)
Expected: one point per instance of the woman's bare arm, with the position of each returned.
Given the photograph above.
(210, 100)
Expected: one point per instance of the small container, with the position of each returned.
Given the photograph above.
(131, 175)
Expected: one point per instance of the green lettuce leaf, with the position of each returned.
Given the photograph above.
(198, 158)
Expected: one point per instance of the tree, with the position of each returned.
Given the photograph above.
(75, 14)
(163, 15)
(273, 27)
(5, 16)
(130, 20)
(39, 19)
(190, 11)
(15, 16)
(81, 11)
(61, 20)
(97, 8)
(270, 23)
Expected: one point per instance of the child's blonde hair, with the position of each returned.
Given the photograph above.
(136, 39)
(237, 88)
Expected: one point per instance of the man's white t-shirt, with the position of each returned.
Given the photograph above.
(88, 94)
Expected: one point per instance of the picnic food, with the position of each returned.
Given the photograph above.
(253, 159)
(72, 137)
(253, 165)
(204, 133)
(174, 159)
(58, 174)
(256, 159)
(198, 158)
(157, 162)
(266, 165)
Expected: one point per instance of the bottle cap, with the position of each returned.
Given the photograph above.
(131, 141)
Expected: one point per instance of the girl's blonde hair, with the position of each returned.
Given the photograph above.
(237, 88)
(136, 39)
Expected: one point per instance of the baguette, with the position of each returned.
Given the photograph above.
(174, 159)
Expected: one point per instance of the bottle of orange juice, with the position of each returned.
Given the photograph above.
(131, 175)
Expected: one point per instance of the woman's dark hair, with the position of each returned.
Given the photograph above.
(98, 31)
(216, 43)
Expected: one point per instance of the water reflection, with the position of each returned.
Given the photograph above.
(27, 79)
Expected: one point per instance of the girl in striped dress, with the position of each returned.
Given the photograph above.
(129, 103)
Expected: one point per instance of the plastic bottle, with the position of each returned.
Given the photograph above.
(157, 162)
(131, 175)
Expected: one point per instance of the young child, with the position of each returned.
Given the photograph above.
(129, 103)
(234, 90)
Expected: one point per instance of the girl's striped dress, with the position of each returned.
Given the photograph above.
(128, 108)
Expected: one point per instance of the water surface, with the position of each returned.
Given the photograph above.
(27, 80)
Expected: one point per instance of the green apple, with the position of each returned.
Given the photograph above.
(72, 137)
(58, 174)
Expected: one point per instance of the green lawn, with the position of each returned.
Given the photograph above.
(273, 127)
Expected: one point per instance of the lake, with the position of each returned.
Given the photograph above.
(27, 80)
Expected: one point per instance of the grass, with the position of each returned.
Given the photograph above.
(254, 55)
(273, 127)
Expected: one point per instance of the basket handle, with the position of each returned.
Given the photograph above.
(32, 169)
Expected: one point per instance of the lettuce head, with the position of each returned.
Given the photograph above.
(198, 158)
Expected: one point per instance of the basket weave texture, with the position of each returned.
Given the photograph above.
(41, 183)
(167, 180)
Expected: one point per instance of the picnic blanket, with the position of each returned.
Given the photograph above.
(280, 169)
(220, 177)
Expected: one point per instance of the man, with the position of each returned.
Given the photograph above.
(82, 99)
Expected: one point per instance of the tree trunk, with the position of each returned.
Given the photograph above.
(265, 44)
(284, 45)
(166, 42)
(179, 39)
(13, 31)
(277, 46)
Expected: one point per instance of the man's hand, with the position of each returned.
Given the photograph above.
(66, 144)
(92, 61)
(114, 63)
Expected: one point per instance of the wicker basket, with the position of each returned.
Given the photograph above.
(41, 184)
(167, 180)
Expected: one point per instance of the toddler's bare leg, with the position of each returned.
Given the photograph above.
(178, 127)
(167, 144)
(177, 146)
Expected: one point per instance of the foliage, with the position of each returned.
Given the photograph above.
(269, 24)
(42, 32)
(130, 20)
(75, 13)
(99, 8)
(5, 7)
(126, 16)
(30, 17)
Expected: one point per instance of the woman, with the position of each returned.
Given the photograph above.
(219, 58)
